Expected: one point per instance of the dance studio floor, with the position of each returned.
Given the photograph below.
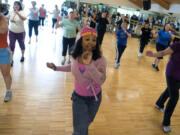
(41, 103)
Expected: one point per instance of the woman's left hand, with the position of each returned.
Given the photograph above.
(149, 53)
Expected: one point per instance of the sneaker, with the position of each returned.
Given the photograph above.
(12, 63)
(29, 42)
(159, 108)
(155, 67)
(69, 61)
(166, 129)
(139, 54)
(116, 65)
(22, 59)
(63, 61)
(8, 96)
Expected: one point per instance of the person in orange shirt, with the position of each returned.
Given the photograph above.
(5, 55)
(42, 15)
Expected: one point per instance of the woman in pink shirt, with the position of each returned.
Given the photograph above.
(89, 69)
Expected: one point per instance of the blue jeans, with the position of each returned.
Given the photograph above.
(33, 24)
(84, 112)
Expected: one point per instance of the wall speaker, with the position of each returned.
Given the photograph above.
(146, 4)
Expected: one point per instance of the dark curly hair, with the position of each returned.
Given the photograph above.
(19, 4)
(78, 50)
(3, 8)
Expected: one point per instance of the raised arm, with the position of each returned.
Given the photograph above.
(58, 22)
(21, 16)
(66, 68)
(129, 34)
(160, 54)
(3, 24)
(155, 34)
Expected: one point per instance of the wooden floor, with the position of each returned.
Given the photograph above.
(41, 102)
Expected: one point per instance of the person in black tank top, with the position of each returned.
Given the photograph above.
(145, 36)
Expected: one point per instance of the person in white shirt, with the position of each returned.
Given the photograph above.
(16, 28)
(55, 15)
(33, 21)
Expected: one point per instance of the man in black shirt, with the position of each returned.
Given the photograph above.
(145, 36)
(101, 28)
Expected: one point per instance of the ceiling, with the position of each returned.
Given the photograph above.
(133, 3)
(163, 3)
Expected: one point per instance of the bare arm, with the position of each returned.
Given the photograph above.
(35, 12)
(155, 35)
(58, 22)
(22, 17)
(92, 19)
(129, 34)
(3, 25)
(159, 54)
(108, 21)
(66, 68)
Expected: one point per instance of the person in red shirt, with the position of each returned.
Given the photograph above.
(5, 56)
(42, 15)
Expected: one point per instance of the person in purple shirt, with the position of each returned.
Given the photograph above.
(88, 66)
(173, 83)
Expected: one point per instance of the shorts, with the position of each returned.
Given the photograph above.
(160, 47)
(5, 56)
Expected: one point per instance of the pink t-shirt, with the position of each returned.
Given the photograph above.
(88, 78)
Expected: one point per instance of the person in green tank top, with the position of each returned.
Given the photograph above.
(69, 36)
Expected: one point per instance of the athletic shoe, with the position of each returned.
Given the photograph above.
(63, 61)
(159, 108)
(140, 55)
(22, 59)
(8, 96)
(166, 129)
(155, 67)
(116, 65)
(69, 61)
(12, 63)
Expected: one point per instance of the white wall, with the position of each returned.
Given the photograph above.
(49, 4)
(174, 8)
(124, 3)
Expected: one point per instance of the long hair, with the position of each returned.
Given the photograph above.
(78, 50)
(3, 9)
(19, 4)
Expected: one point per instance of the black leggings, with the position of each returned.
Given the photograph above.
(119, 51)
(160, 47)
(33, 24)
(100, 37)
(54, 22)
(68, 43)
(41, 21)
(142, 45)
(171, 92)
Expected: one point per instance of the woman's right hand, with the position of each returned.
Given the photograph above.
(51, 65)
(86, 57)
(59, 18)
